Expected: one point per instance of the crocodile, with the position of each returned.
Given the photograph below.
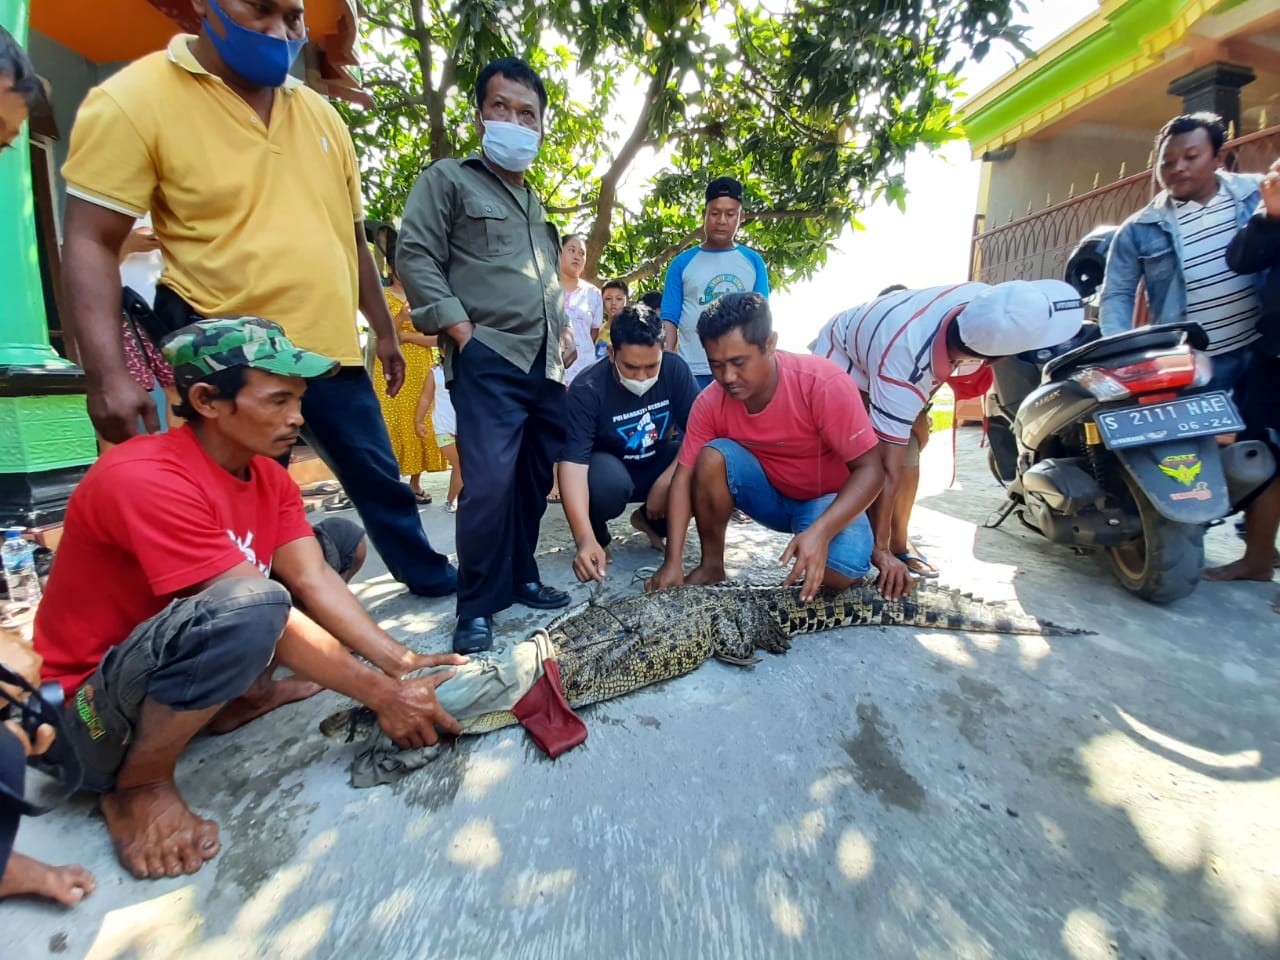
(609, 648)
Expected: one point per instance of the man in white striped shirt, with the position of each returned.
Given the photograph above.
(901, 347)
(1178, 243)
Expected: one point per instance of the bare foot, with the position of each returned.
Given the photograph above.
(1239, 570)
(702, 575)
(26, 877)
(263, 697)
(641, 523)
(156, 834)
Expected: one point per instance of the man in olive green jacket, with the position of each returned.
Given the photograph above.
(481, 265)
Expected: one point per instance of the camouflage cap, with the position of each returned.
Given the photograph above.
(201, 348)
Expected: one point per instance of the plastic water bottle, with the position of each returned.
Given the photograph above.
(20, 568)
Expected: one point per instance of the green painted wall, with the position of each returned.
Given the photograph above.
(37, 433)
(1094, 57)
(44, 433)
(24, 332)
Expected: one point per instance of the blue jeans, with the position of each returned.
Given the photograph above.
(1228, 368)
(848, 554)
(345, 426)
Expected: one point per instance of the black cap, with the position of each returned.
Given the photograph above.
(724, 187)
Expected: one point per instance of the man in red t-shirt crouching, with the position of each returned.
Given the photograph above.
(184, 568)
(785, 439)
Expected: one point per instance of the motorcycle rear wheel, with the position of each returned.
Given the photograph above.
(1166, 563)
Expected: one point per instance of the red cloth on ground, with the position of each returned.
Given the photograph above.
(805, 436)
(153, 517)
(545, 713)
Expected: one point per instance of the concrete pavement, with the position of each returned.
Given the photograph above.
(874, 793)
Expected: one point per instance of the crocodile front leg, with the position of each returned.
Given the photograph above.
(759, 626)
(743, 630)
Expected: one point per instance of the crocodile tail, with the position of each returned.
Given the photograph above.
(928, 605)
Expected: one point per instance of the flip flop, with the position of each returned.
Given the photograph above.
(423, 498)
(910, 558)
(451, 506)
(339, 501)
(322, 488)
(553, 500)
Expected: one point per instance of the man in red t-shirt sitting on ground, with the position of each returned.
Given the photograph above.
(785, 439)
(159, 615)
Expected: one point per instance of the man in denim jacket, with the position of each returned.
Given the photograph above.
(1178, 242)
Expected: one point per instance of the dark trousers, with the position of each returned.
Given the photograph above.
(510, 431)
(345, 426)
(612, 484)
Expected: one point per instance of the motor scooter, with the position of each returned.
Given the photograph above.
(1111, 444)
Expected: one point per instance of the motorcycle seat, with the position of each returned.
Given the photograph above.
(1138, 340)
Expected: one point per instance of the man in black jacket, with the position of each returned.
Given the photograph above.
(1254, 249)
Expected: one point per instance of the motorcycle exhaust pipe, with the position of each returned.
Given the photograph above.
(1249, 466)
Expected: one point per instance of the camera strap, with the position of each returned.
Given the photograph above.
(41, 707)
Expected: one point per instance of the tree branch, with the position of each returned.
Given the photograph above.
(770, 98)
(653, 266)
(386, 24)
(432, 98)
(419, 102)
(373, 81)
(598, 236)
(576, 208)
(784, 215)
(801, 128)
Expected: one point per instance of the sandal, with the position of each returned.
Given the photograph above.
(451, 506)
(421, 497)
(339, 501)
(322, 488)
(910, 559)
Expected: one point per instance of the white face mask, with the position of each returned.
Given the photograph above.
(638, 387)
(509, 145)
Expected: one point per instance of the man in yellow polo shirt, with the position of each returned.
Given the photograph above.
(254, 192)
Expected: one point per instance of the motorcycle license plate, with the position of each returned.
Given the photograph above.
(1198, 416)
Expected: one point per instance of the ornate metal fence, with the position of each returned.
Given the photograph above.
(1039, 244)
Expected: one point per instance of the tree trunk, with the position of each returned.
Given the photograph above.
(602, 225)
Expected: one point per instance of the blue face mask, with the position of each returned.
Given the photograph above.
(261, 60)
